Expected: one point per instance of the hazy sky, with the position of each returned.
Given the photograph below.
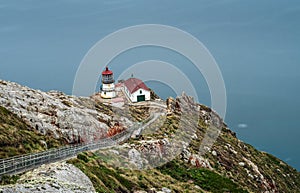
(255, 42)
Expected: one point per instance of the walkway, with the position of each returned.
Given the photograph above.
(27, 162)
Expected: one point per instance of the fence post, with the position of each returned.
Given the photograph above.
(3, 166)
(14, 164)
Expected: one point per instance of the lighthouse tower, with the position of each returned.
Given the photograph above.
(108, 86)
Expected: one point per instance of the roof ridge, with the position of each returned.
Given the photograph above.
(133, 84)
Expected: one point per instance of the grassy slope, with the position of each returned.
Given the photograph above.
(203, 177)
(17, 138)
(175, 175)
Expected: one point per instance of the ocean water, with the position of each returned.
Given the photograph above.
(255, 43)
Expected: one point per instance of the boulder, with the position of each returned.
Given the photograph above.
(135, 158)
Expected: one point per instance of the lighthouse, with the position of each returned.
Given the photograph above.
(108, 86)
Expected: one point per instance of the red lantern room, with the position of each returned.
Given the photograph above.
(107, 76)
(108, 86)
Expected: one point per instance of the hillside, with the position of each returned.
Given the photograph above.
(17, 138)
(165, 155)
(229, 166)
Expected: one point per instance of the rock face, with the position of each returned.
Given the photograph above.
(135, 158)
(55, 177)
(54, 113)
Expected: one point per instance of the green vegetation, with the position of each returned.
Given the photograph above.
(17, 138)
(6, 179)
(103, 178)
(139, 113)
(206, 179)
(174, 175)
(106, 109)
(108, 179)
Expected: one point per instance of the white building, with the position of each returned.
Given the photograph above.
(136, 90)
(108, 84)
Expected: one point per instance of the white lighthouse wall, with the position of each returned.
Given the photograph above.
(108, 94)
(107, 87)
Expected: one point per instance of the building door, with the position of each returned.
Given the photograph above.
(140, 98)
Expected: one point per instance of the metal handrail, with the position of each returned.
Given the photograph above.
(27, 162)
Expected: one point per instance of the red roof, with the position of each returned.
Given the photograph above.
(134, 84)
(107, 72)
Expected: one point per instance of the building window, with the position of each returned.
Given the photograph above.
(140, 91)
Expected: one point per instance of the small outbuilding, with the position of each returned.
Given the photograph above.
(136, 90)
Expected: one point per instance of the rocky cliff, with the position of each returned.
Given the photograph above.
(155, 159)
(53, 113)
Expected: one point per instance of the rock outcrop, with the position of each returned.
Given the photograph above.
(76, 119)
(55, 177)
